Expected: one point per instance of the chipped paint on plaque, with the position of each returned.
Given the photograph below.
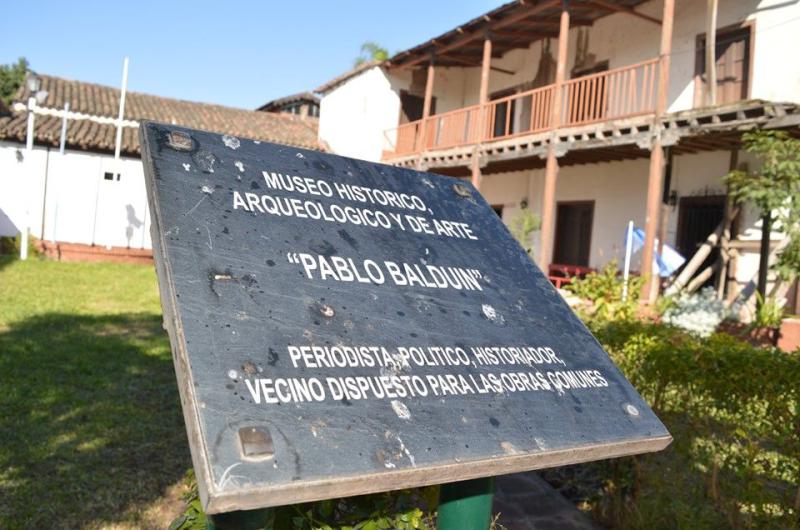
(239, 166)
(401, 410)
(406, 452)
(509, 448)
(187, 167)
(231, 141)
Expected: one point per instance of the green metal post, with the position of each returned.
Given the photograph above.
(466, 505)
(262, 519)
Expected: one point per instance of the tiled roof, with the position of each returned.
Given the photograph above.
(338, 80)
(277, 103)
(99, 100)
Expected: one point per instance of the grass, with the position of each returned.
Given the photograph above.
(91, 433)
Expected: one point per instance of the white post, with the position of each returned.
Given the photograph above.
(117, 147)
(124, 89)
(63, 141)
(627, 270)
(62, 144)
(28, 176)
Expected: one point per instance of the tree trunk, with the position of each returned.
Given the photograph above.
(763, 264)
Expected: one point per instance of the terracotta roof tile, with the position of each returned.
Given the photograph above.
(99, 100)
(277, 103)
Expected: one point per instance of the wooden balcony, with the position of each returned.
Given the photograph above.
(614, 94)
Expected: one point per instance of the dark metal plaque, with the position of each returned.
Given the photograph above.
(341, 327)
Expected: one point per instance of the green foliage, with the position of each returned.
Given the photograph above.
(193, 517)
(769, 312)
(10, 246)
(699, 313)
(524, 224)
(371, 51)
(734, 412)
(402, 510)
(604, 290)
(397, 510)
(774, 188)
(11, 78)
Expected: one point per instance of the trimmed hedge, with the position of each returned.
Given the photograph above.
(734, 412)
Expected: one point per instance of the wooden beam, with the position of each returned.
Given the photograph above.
(551, 166)
(426, 112)
(624, 9)
(656, 172)
(532, 34)
(491, 26)
(467, 62)
(727, 222)
(483, 98)
(711, 56)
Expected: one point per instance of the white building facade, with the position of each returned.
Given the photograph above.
(603, 140)
(84, 203)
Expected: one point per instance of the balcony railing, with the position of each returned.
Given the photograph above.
(620, 93)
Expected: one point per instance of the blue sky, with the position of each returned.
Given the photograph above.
(233, 53)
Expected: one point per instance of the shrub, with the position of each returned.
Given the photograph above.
(769, 312)
(699, 313)
(523, 226)
(412, 509)
(734, 412)
(604, 290)
(11, 245)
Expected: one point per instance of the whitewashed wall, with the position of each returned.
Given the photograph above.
(619, 190)
(355, 115)
(78, 205)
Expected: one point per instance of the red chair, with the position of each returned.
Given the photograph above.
(561, 274)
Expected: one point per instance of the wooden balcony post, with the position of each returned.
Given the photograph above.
(483, 98)
(426, 112)
(656, 175)
(711, 56)
(551, 168)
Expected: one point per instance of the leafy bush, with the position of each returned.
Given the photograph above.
(699, 313)
(604, 290)
(774, 188)
(734, 412)
(11, 78)
(769, 312)
(523, 226)
(412, 509)
(11, 246)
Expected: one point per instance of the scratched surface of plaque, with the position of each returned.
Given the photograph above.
(341, 327)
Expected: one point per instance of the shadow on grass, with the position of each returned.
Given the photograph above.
(90, 423)
(6, 260)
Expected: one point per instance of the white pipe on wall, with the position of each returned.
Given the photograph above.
(23, 247)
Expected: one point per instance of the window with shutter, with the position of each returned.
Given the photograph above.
(733, 66)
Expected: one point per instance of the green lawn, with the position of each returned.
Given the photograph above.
(91, 433)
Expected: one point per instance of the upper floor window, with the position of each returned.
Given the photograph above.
(733, 55)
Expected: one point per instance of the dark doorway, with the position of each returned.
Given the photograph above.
(503, 113)
(573, 242)
(697, 218)
(411, 107)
